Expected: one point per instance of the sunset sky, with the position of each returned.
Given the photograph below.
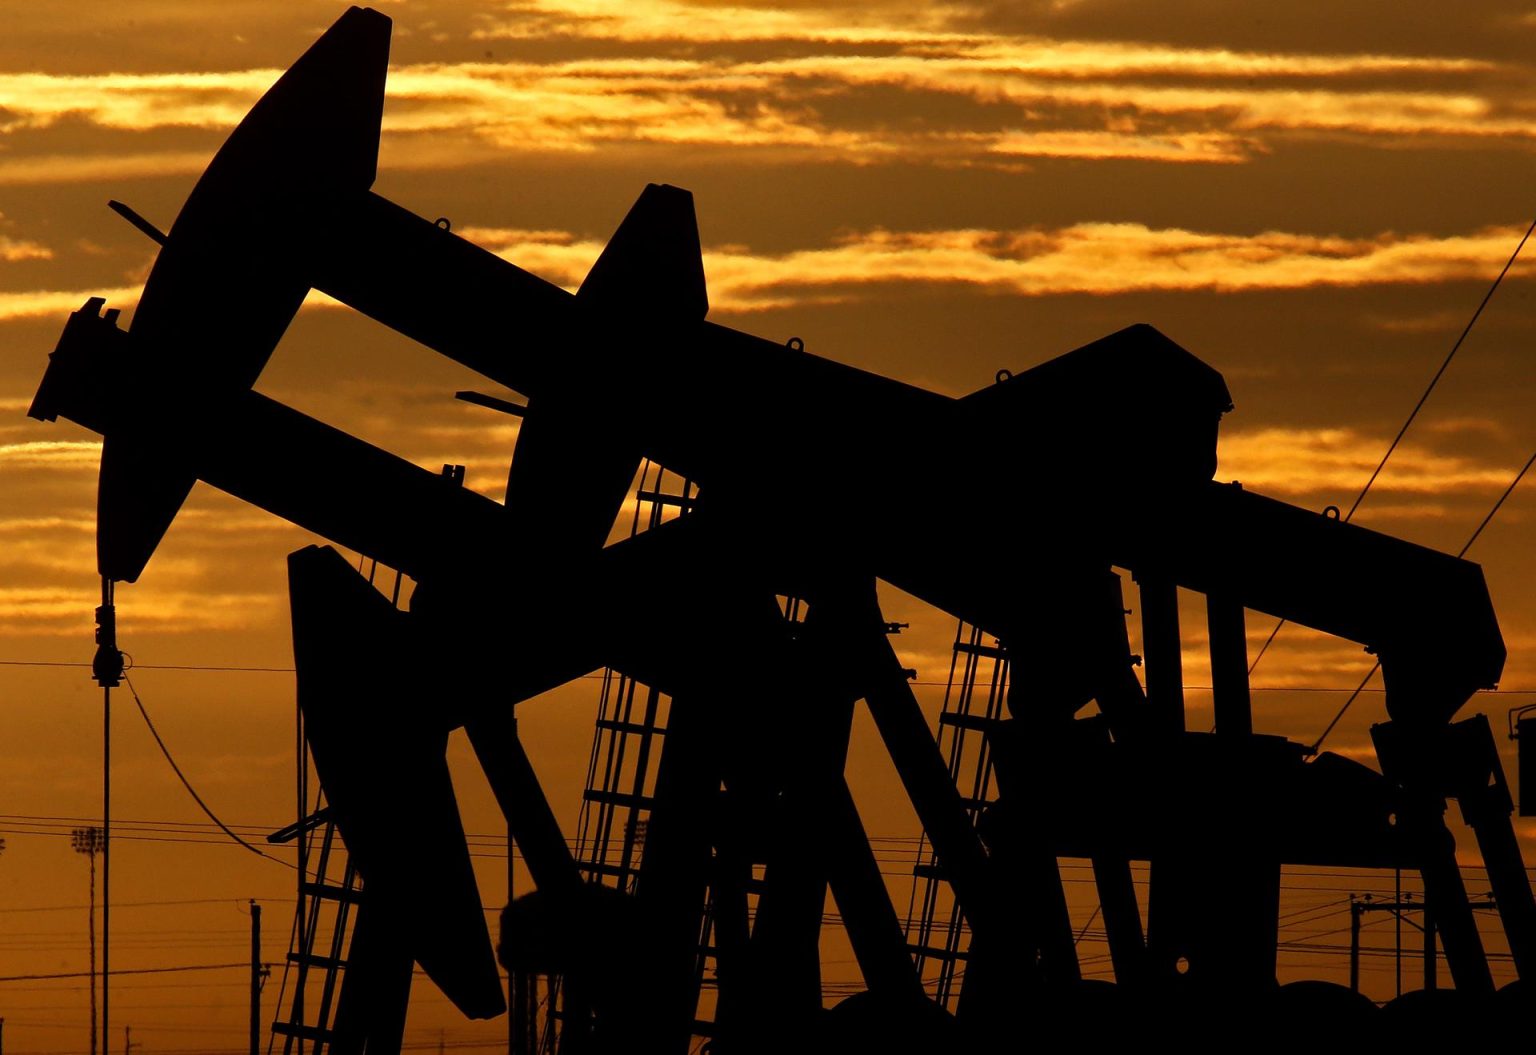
(1312, 201)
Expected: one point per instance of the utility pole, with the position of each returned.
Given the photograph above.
(1356, 909)
(89, 841)
(515, 1023)
(1360, 905)
(255, 977)
(106, 671)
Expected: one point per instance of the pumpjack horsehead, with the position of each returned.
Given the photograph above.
(1106, 456)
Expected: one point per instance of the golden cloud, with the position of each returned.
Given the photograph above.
(60, 612)
(131, 100)
(1285, 461)
(1209, 147)
(12, 250)
(658, 20)
(1063, 98)
(1088, 258)
(52, 454)
(24, 304)
(929, 31)
(90, 168)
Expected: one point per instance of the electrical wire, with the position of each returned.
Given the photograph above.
(131, 970)
(1461, 553)
(188, 784)
(1414, 413)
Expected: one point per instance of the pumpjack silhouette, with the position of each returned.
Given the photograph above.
(1106, 457)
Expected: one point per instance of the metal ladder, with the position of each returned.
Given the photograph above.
(333, 1018)
(318, 898)
(628, 734)
(974, 698)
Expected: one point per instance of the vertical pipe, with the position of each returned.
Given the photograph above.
(671, 888)
(1402, 752)
(106, 814)
(1511, 889)
(1164, 667)
(1229, 665)
(1429, 949)
(1445, 894)
(1122, 920)
(1397, 923)
(255, 977)
(302, 941)
(517, 1025)
(1160, 642)
(1525, 763)
(1354, 944)
(1486, 805)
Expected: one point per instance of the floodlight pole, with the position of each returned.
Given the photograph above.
(88, 841)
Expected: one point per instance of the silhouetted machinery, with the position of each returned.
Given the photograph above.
(1106, 456)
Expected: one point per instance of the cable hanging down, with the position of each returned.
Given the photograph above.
(1414, 413)
(188, 784)
(1460, 553)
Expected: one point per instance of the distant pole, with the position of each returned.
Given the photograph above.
(1397, 916)
(514, 994)
(255, 977)
(1354, 944)
(1429, 948)
(88, 841)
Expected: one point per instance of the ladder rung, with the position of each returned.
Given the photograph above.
(630, 727)
(617, 798)
(978, 722)
(930, 871)
(306, 1032)
(331, 892)
(702, 1028)
(311, 960)
(976, 804)
(991, 651)
(938, 954)
(664, 498)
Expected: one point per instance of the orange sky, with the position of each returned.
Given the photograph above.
(1311, 201)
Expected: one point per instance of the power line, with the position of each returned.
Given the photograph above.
(919, 682)
(144, 904)
(1456, 347)
(1461, 553)
(131, 970)
(148, 666)
(188, 784)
